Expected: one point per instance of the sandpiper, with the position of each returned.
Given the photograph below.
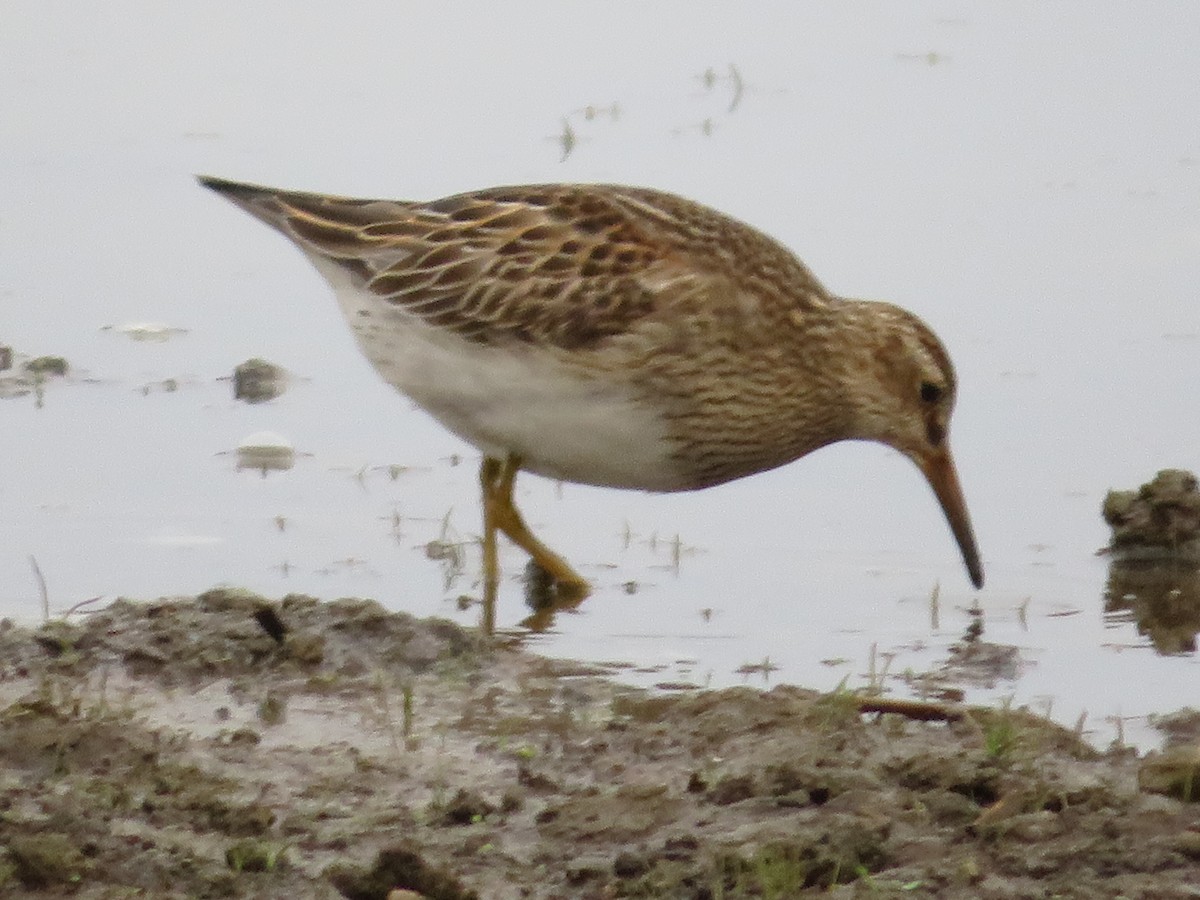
(618, 336)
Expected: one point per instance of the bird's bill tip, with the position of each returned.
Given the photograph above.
(942, 476)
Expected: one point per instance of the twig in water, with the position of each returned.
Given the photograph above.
(41, 580)
(80, 605)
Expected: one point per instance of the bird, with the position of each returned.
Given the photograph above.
(618, 336)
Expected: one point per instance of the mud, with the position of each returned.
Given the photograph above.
(1154, 572)
(257, 381)
(227, 746)
(1161, 519)
(21, 375)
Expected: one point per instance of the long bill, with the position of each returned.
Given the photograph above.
(939, 470)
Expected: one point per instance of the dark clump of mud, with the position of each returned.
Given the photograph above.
(398, 868)
(1154, 575)
(1161, 518)
(257, 381)
(47, 366)
(228, 746)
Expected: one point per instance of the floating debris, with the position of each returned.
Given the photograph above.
(592, 112)
(448, 549)
(47, 365)
(932, 58)
(567, 140)
(707, 128)
(166, 386)
(26, 376)
(257, 381)
(708, 78)
(739, 87)
(764, 668)
(146, 331)
(983, 663)
(266, 451)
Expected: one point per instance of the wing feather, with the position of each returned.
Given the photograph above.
(566, 266)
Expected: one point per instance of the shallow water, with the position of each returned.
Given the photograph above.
(1025, 178)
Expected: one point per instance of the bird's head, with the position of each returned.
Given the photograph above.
(900, 387)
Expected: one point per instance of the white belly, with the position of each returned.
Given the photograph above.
(519, 400)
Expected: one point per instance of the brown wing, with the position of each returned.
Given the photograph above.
(563, 265)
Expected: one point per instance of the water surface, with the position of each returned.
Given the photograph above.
(1025, 177)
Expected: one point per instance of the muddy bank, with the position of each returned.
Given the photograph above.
(1154, 568)
(222, 746)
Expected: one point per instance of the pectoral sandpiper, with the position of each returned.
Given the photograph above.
(618, 336)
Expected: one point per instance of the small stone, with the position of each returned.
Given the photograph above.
(256, 381)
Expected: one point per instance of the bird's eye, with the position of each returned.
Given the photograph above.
(930, 392)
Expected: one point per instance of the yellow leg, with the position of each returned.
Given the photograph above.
(500, 514)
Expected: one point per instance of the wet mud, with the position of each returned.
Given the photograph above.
(1154, 572)
(1160, 520)
(228, 746)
